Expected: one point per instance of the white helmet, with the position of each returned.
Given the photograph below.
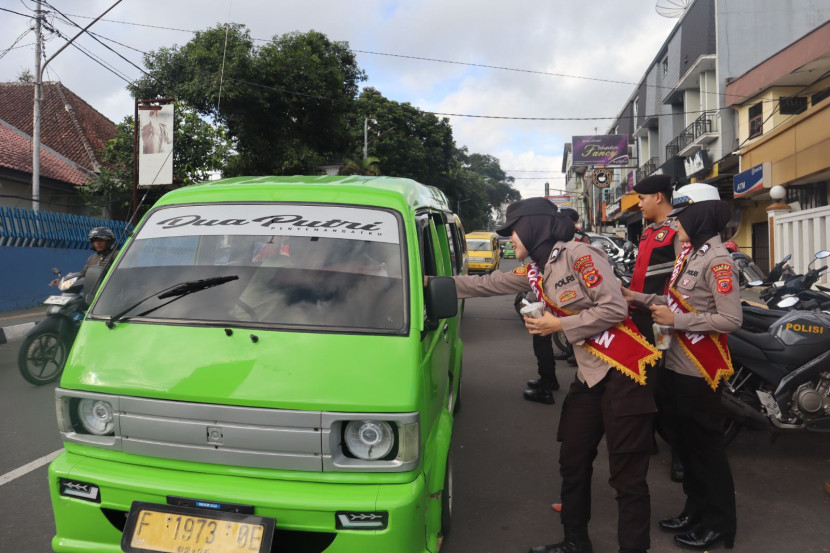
(693, 193)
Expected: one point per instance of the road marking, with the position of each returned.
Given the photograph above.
(29, 467)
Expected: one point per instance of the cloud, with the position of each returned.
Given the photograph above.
(602, 41)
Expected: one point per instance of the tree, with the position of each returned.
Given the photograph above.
(369, 166)
(284, 104)
(485, 186)
(412, 143)
(199, 149)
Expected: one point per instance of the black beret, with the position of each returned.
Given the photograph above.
(530, 206)
(570, 212)
(654, 184)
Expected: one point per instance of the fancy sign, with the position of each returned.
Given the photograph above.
(600, 150)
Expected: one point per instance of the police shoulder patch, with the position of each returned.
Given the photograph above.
(592, 277)
(520, 270)
(725, 285)
(661, 235)
(583, 263)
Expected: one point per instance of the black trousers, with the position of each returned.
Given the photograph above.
(622, 410)
(707, 482)
(543, 349)
(664, 419)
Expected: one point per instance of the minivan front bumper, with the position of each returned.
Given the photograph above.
(305, 511)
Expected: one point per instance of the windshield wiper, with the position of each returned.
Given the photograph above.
(176, 291)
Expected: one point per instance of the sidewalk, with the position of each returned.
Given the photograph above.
(15, 324)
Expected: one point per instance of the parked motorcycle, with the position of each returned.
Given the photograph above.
(799, 286)
(782, 372)
(45, 347)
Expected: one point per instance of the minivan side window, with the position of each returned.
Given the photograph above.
(428, 261)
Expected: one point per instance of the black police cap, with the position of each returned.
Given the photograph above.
(522, 208)
(654, 184)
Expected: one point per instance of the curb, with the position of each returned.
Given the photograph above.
(14, 332)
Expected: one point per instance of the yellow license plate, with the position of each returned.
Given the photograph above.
(175, 529)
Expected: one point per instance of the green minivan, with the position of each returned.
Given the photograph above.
(263, 369)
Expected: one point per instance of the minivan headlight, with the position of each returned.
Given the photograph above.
(96, 416)
(369, 440)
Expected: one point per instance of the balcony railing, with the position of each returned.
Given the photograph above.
(701, 126)
(647, 168)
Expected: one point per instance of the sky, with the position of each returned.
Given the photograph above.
(506, 62)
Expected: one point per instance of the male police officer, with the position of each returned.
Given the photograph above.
(658, 248)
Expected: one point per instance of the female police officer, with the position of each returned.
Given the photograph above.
(608, 396)
(702, 305)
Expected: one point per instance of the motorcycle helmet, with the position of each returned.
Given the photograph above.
(101, 233)
(692, 193)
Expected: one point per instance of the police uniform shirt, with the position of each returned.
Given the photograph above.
(709, 283)
(578, 277)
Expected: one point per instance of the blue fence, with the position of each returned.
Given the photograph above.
(32, 242)
(24, 228)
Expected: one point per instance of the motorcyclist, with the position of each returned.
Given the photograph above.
(103, 242)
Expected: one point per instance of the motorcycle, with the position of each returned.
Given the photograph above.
(45, 347)
(782, 371)
(799, 286)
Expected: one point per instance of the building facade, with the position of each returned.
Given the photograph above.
(681, 118)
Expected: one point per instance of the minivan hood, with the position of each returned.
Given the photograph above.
(249, 367)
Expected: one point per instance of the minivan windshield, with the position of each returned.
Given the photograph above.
(479, 245)
(324, 267)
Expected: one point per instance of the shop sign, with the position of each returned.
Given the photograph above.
(696, 163)
(751, 181)
(600, 150)
(612, 209)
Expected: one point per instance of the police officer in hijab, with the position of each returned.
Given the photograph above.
(608, 396)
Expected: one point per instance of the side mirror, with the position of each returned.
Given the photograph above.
(754, 283)
(822, 254)
(628, 247)
(92, 279)
(440, 298)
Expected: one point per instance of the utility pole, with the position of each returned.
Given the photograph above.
(36, 116)
(365, 138)
(38, 88)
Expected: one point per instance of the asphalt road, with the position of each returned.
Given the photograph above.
(505, 457)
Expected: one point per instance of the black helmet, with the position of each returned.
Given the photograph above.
(101, 233)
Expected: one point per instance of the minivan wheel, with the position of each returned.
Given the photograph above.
(446, 499)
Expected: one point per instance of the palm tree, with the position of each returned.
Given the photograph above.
(369, 167)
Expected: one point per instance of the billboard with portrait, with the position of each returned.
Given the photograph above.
(155, 145)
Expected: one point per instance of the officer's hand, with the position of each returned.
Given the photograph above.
(54, 282)
(661, 314)
(543, 326)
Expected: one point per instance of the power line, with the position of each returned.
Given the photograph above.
(16, 13)
(96, 39)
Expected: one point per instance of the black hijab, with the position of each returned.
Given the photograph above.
(539, 233)
(703, 220)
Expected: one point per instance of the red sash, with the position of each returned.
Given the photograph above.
(709, 352)
(621, 346)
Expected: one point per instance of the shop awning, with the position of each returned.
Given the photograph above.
(629, 202)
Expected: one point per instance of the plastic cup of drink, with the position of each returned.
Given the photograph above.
(534, 310)
(662, 336)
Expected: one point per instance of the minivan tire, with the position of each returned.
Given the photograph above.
(446, 499)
